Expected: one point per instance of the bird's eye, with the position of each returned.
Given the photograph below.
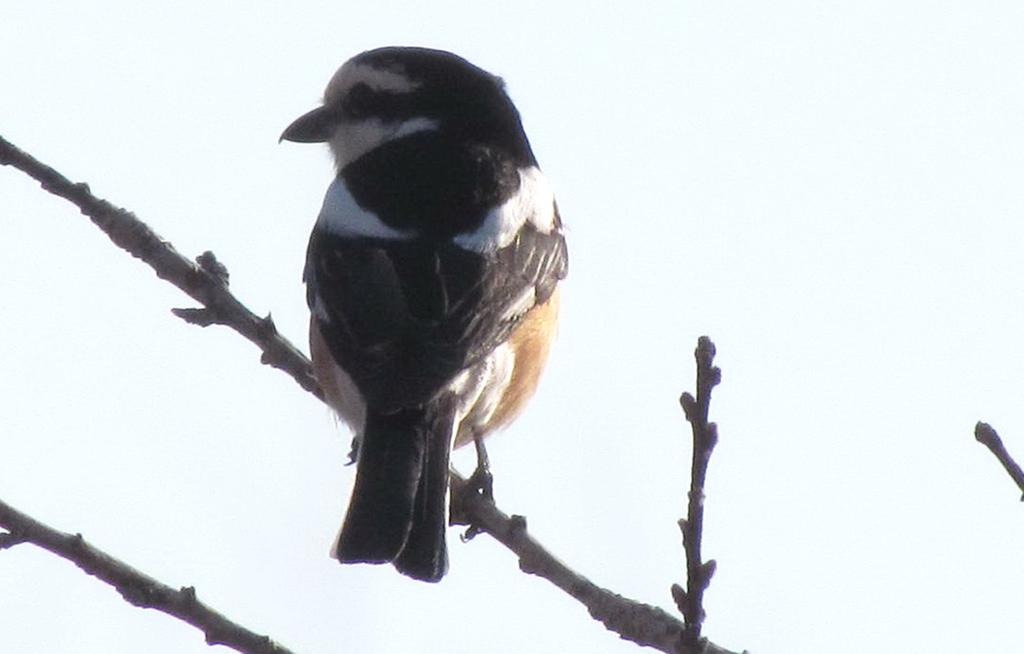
(359, 101)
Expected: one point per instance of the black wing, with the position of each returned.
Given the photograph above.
(403, 318)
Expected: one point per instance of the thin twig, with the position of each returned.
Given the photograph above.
(207, 283)
(136, 587)
(640, 623)
(705, 435)
(987, 436)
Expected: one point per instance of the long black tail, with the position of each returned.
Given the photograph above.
(399, 510)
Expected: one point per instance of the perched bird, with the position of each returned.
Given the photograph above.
(431, 277)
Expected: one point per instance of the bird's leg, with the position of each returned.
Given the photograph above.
(479, 485)
(482, 481)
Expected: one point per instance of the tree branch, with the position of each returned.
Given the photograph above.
(634, 621)
(987, 436)
(207, 283)
(135, 587)
(705, 436)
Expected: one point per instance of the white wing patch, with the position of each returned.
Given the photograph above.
(341, 215)
(320, 310)
(534, 202)
(526, 301)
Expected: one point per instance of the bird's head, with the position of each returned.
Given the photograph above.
(388, 93)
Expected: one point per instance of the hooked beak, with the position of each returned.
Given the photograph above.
(312, 127)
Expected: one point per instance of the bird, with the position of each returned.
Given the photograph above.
(432, 278)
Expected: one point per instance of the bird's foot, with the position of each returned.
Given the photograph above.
(479, 485)
(481, 482)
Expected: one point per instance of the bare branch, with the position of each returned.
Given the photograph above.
(134, 586)
(987, 436)
(207, 283)
(640, 623)
(705, 435)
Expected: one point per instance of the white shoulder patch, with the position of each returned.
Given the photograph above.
(534, 202)
(341, 215)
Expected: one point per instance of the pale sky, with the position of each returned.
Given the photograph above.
(831, 191)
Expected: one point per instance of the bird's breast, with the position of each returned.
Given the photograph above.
(425, 186)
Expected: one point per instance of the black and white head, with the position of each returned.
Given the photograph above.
(387, 93)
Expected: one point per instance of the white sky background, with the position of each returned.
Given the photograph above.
(832, 191)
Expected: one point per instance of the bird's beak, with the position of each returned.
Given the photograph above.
(312, 127)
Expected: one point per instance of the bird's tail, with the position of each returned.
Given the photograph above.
(399, 507)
